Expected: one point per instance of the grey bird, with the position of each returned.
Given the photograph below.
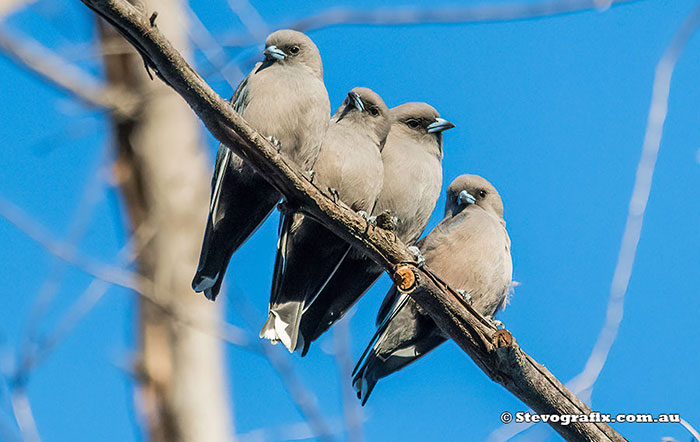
(349, 168)
(412, 180)
(283, 98)
(470, 250)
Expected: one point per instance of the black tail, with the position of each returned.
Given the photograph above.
(213, 260)
(307, 256)
(352, 279)
(243, 202)
(404, 336)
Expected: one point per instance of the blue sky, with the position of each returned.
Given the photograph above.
(551, 111)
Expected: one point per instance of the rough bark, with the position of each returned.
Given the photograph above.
(163, 174)
(495, 351)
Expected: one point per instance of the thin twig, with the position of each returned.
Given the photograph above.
(211, 49)
(352, 411)
(583, 383)
(23, 413)
(68, 252)
(67, 77)
(9, 7)
(115, 275)
(84, 304)
(302, 397)
(298, 431)
(487, 13)
(92, 194)
(250, 18)
(690, 429)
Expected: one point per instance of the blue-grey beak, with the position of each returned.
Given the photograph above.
(356, 101)
(465, 198)
(273, 52)
(439, 125)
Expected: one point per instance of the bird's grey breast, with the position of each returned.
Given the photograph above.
(471, 251)
(412, 181)
(290, 104)
(351, 163)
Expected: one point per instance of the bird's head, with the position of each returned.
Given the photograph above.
(365, 107)
(421, 122)
(291, 47)
(466, 190)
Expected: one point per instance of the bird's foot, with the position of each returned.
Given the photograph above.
(466, 296)
(334, 194)
(496, 323)
(272, 139)
(312, 175)
(386, 221)
(283, 206)
(420, 259)
(371, 220)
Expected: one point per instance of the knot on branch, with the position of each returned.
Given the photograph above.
(386, 221)
(502, 338)
(405, 279)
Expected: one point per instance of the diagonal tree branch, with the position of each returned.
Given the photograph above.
(494, 351)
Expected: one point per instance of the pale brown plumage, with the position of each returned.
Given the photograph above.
(283, 97)
(412, 159)
(470, 250)
(350, 164)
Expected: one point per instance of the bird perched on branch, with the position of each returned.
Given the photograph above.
(284, 99)
(349, 168)
(412, 179)
(470, 251)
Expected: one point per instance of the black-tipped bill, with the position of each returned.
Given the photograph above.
(356, 101)
(272, 52)
(465, 198)
(439, 125)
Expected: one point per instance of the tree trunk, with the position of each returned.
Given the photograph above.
(163, 174)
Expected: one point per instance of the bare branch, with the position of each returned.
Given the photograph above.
(583, 383)
(68, 252)
(488, 13)
(291, 432)
(92, 193)
(212, 50)
(67, 77)
(494, 351)
(304, 399)
(90, 297)
(23, 413)
(690, 429)
(9, 7)
(352, 410)
(251, 19)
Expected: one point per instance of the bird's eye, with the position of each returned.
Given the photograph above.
(294, 50)
(374, 111)
(482, 194)
(412, 124)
